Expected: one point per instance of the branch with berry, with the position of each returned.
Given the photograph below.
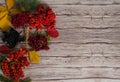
(25, 15)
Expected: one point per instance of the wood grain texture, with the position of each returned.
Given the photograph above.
(84, 62)
(84, 35)
(63, 50)
(82, 80)
(87, 22)
(88, 48)
(80, 2)
(87, 10)
(73, 73)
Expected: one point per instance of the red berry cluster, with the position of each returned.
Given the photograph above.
(19, 20)
(44, 18)
(12, 66)
(5, 68)
(38, 42)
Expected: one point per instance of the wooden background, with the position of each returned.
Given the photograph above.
(88, 48)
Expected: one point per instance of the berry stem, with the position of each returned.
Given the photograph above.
(27, 30)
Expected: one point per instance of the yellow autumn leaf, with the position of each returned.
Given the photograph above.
(3, 14)
(5, 23)
(34, 57)
(10, 3)
(15, 11)
(2, 8)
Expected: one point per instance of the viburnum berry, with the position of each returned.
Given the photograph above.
(12, 66)
(5, 68)
(44, 18)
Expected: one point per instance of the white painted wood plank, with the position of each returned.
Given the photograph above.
(85, 2)
(72, 80)
(83, 35)
(110, 80)
(87, 62)
(69, 49)
(88, 22)
(82, 80)
(86, 10)
(39, 74)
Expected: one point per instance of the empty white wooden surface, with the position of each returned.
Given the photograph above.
(88, 48)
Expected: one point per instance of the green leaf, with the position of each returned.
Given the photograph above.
(27, 5)
(5, 79)
(48, 37)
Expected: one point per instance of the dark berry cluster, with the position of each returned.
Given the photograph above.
(12, 66)
(11, 37)
(38, 42)
(19, 20)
